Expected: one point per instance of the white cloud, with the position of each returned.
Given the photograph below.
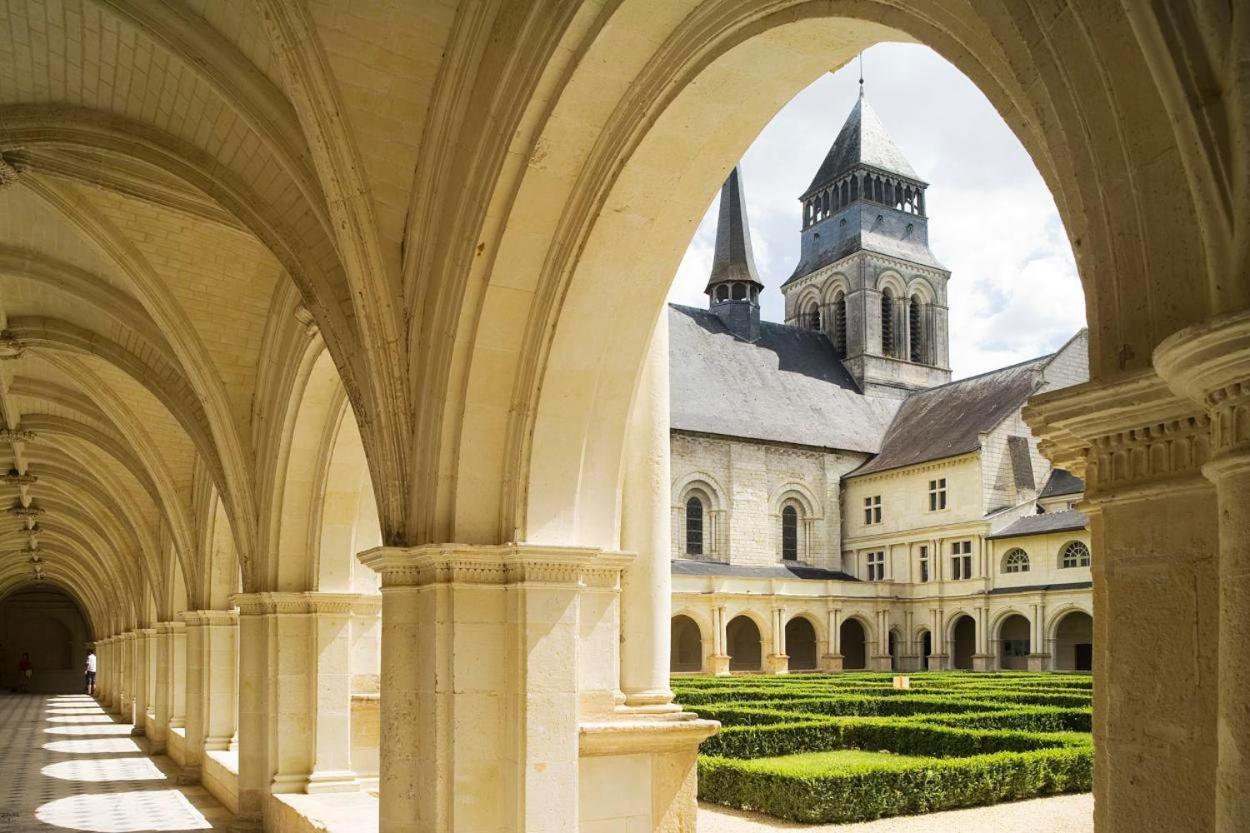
(1014, 293)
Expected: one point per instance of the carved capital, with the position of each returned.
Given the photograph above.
(509, 564)
(14, 435)
(15, 478)
(20, 511)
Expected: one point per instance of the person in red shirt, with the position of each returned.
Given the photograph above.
(25, 670)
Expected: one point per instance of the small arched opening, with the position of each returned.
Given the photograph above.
(926, 648)
(1074, 642)
(854, 640)
(963, 642)
(1013, 643)
(887, 322)
(789, 532)
(801, 644)
(742, 637)
(895, 648)
(686, 648)
(49, 626)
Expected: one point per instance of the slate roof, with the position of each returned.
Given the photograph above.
(732, 259)
(1062, 482)
(690, 567)
(1034, 588)
(863, 140)
(948, 420)
(788, 386)
(1043, 523)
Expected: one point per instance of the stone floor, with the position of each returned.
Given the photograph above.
(1061, 814)
(66, 765)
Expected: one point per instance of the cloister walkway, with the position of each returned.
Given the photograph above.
(66, 765)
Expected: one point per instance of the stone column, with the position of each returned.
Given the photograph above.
(647, 586)
(104, 672)
(879, 660)
(720, 655)
(1210, 365)
(159, 728)
(176, 679)
(140, 664)
(983, 659)
(331, 709)
(1154, 530)
(777, 662)
(221, 683)
(1038, 656)
(500, 674)
(125, 654)
(255, 655)
(194, 636)
(832, 661)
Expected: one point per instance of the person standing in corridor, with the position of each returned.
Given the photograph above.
(91, 672)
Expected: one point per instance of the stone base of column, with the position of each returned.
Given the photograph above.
(982, 662)
(937, 662)
(332, 782)
(881, 663)
(777, 664)
(187, 775)
(831, 662)
(1039, 662)
(718, 665)
(659, 753)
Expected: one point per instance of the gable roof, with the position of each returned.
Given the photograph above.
(1041, 524)
(788, 386)
(863, 140)
(948, 420)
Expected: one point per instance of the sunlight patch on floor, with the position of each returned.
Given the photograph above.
(93, 746)
(105, 769)
(127, 812)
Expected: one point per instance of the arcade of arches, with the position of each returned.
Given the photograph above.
(286, 283)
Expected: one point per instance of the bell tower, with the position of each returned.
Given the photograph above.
(866, 275)
(733, 287)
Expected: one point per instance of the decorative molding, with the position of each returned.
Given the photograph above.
(14, 435)
(509, 564)
(209, 618)
(294, 603)
(679, 732)
(14, 478)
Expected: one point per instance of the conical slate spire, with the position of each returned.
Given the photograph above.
(732, 260)
(863, 140)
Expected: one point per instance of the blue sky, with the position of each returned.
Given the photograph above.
(1014, 292)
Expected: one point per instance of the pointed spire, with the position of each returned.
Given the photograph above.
(863, 140)
(733, 260)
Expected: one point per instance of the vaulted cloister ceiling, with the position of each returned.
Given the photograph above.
(199, 196)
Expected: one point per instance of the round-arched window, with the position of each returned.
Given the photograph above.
(1074, 554)
(694, 526)
(1016, 561)
(789, 533)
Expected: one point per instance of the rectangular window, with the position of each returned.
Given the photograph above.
(876, 566)
(924, 563)
(872, 510)
(937, 494)
(961, 560)
(1015, 647)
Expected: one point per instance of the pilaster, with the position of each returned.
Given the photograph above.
(1209, 364)
(499, 707)
(1154, 536)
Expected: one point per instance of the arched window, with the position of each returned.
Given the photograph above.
(839, 323)
(722, 293)
(694, 526)
(916, 325)
(1074, 554)
(887, 323)
(789, 533)
(1016, 561)
(810, 317)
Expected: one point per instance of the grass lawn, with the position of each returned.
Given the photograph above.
(821, 763)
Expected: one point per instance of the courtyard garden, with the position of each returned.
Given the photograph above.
(852, 747)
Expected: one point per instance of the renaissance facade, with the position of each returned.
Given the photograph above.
(838, 502)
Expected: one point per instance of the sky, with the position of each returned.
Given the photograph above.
(1013, 292)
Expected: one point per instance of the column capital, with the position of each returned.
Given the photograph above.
(1132, 434)
(170, 627)
(496, 565)
(146, 633)
(198, 618)
(297, 603)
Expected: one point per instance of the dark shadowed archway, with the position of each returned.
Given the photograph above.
(801, 644)
(742, 636)
(854, 640)
(47, 624)
(687, 646)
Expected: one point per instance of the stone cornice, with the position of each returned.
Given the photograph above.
(1129, 432)
(507, 564)
(677, 732)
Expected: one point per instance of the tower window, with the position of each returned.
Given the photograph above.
(694, 526)
(917, 329)
(887, 323)
(839, 324)
(789, 534)
(740, 292)
(722, 293)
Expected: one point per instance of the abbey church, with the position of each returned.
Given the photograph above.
(838, 502)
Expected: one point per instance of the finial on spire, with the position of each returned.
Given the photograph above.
(861, 75)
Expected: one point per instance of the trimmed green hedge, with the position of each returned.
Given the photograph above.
(863, 793)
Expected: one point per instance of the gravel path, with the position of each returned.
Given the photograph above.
(1061, 814)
